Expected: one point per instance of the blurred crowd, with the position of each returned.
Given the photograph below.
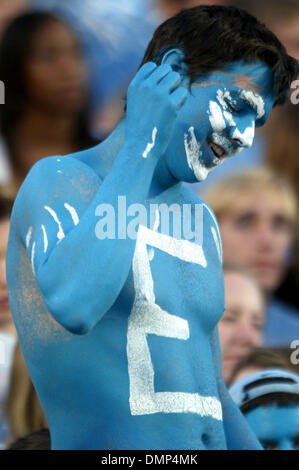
(66, 67)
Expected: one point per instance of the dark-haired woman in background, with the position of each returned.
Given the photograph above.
(45, 78)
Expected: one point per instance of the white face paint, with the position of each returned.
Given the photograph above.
(193, 154)
(255, 101)
(216, 117)
(223, 97)
(219, 103)
(246, 137)
(221, 119)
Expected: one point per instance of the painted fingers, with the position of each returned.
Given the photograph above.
(155, 97)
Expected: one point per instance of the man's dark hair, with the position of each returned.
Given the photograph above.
(212, 36)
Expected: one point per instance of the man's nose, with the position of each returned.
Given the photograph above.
(245, 138)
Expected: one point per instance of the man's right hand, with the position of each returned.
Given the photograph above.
(154, 99)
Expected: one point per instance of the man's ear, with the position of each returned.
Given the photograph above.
(176, 59)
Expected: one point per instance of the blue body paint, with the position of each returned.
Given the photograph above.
(277, 427)
(118, 334)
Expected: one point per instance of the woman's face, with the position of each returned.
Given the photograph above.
(55, 72)
(240, 327)
(257, 232)
(6, 321)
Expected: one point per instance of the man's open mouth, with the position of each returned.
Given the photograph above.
(218, 151)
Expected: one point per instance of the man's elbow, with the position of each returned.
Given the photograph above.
(77, 325)
(77, 322)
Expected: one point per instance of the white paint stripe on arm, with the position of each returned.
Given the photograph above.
(60, 233)
(32, 257)
(73, 213)
(151, 144)
(28, 237)
(45, 239)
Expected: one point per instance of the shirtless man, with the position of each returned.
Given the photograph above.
(120, 333)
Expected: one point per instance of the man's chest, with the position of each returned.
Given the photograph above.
(177, 262)
(177, 290)
(179, 276)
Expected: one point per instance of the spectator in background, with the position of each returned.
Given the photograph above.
(10, 9)
(6, 203)
(23, 409)
(282, 156)
(257, 213)
(166, 8)
(241, 325)
(282, 152)
(115, 34)
(7, 328)
(20, 411)
(281, 16)
(265, 358)
(269, 400)
(45, 75)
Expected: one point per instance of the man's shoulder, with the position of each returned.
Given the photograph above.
(193, 198)
(57, 177)
(55, 165)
